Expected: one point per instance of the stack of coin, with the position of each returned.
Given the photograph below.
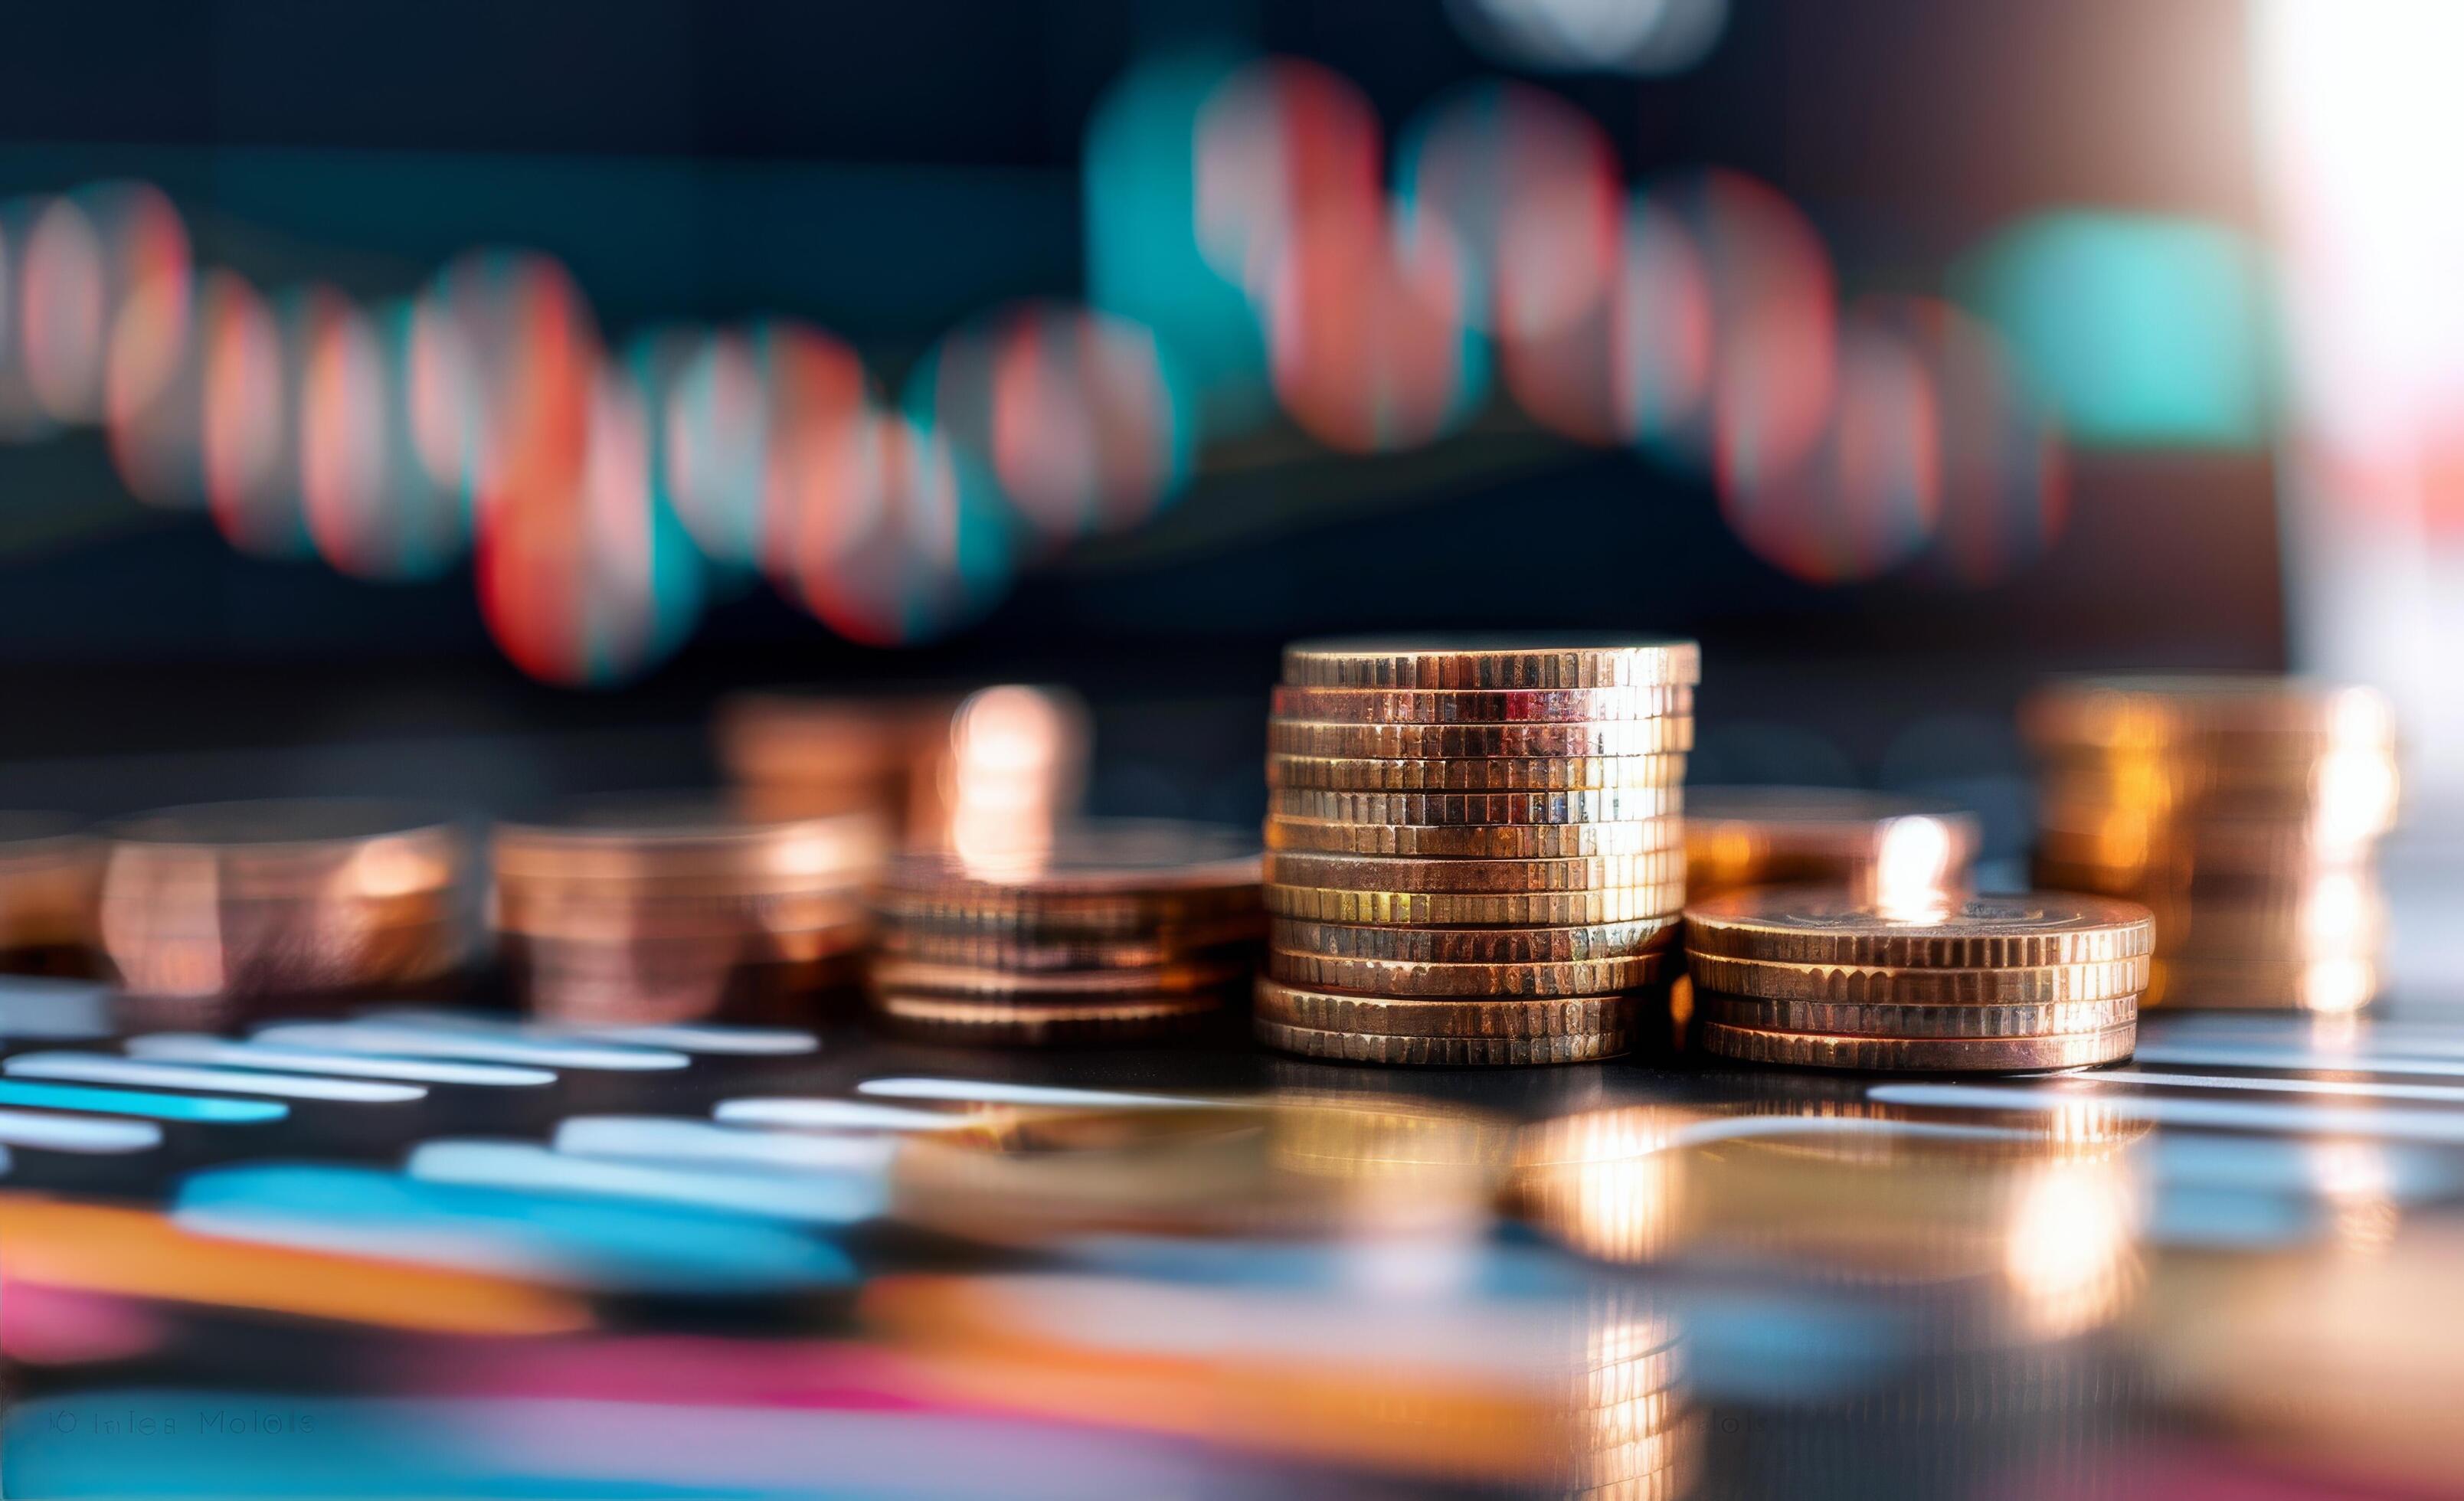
(1004, 767)
(1742, 836)
(679, 908)
(1474, 848)
(283, 898)
(49, 872)
(2244, 810)
(1114, 930)
(1818, 977)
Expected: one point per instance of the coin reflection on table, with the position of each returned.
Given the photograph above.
(51, 872)
(1869, 842)
(308, 897)
(1610, 1183)
(2244, 809)
(667, 909)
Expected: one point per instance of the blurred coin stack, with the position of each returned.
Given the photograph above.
(1742, 836)
(284, 898)
(1004, 764)
(49, 873)
(1821, 978)
(679, 908)
(1114, 930)
(1475, 853)
(2245, 811)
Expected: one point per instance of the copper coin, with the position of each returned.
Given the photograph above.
(1452, 909)
(1384, 1048)
(993, 1024)
(1405, 978)
(1673, 733)
(910, 976)
(1582, 943)
(1456, 706)
(1399, 1016)
(1476, 841)
(1484, 774)
(1610, 804)
(1379, 872)
(2038, 985)
(1500, 661)
(1032, 952)
(1818, 925)
(284, 849)
(1909, 1055)
(1849, 1019)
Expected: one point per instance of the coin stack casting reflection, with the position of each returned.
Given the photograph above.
(1474, 848)
(1116, 930)
(2244, 810)
(680, 909)
(1822, 978)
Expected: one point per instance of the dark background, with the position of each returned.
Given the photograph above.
(884, 171)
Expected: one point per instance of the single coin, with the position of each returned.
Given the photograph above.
(1611, 805)
(1920, 1054)
(1036, 953)
(1381, 873)
(1503, 661)
(912, 977)
(1478, 842)
(1673, 733)
(1820, 925)
(1406, 977)
(1404, 1016)
(1489, 773)
(1584, 943)
(991, 1024)
(1473, 706)
(1861, 985)
(1387, 1047)
(1847, 1019)
(1452, 909)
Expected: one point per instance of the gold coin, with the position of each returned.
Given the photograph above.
(1493, 662)
(1853, 1019)
(1490, 774)
(1397, 1016)
(1034, 952)
(1817, 925)
(1674, 733)
(1919, 1054)
(1381, 873)
(1476, 841)
(1386, 1047)
(1406, 977)
(1564, 945)
(1612, 804)
(1454, 909)
(990, 1023)
(1875, 984)
(1454, 706)
(912, 977)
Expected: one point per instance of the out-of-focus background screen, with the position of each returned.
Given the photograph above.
(378, 379)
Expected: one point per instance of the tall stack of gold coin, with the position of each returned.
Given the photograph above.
(1111, 931)
(1820, 978)
(1475, 853)
(1740, 837)
(647, 910)
(49, 873)
(283, 898)
(2246, 811)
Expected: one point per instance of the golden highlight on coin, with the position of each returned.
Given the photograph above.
(1380, 977)
(1476, 774)
(2023, 984)
(1818, 925)
(1613, 804)
(1481, 662)
(1452, 909)
(1652, 737)
(1329, 1010)
(1379, 872)
(1511, 945)
(1478, 841)
(1916, 1055)
(1889, 1020)
(1520, 706)
(1442, 1051)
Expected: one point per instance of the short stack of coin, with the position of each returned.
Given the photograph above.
(312, 896)
(1822, 978)
(49, 873)
(2246, 811)
(1117, 929)
(1475, 853)
(1741, 837)
(673, 909)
